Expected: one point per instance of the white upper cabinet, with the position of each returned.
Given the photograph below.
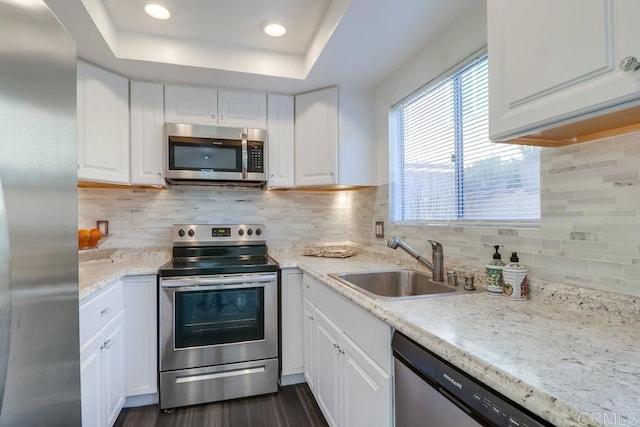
(208, 106)
(334, 138)
(103, 125)
(553, 62)
(240, 109)
(280, 131)
(147, 133)
(190, 104)
(316, 138)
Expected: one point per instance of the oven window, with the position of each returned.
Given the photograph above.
(218, 317)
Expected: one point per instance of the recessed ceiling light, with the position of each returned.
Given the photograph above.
(275, 30)
(157, 11)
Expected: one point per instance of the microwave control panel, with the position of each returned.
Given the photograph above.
(255, 161)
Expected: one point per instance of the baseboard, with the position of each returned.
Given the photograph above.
(141, 400)
(292, 379)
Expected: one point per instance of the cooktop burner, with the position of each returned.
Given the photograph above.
(211, 249)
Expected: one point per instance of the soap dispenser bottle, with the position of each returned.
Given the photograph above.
(494, 273)
(514, 278)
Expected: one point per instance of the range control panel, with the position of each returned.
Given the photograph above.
(218, 234)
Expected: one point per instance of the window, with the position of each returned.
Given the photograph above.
(443, 166)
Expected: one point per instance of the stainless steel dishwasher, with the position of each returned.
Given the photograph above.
(431, 392)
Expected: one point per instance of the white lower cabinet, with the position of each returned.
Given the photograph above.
(367, 389)
(351, 388)
(292, 359)
(118, 356)
(113, 369)
(310, 330)
(102, 357)
(140, 326)
(328, 369)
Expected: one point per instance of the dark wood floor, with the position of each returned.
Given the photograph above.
(292, 406)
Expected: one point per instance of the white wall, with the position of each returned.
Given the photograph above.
(461, 40)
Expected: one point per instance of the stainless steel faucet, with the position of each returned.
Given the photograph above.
(436, 266)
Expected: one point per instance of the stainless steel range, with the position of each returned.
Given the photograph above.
(218, 316)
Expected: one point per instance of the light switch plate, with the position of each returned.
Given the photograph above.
(379, 229)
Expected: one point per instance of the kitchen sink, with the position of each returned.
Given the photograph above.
(396, 284)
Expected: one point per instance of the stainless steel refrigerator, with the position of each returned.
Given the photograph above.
(39, 354)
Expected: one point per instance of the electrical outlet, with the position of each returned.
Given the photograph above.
(379, 229)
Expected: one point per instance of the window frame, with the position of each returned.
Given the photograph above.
(395, 159)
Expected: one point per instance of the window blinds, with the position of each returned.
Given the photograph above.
(446, 167)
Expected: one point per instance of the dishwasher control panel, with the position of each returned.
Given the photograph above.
(476, 399)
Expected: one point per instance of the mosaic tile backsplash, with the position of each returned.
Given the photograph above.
(589, 234)
(143, 218)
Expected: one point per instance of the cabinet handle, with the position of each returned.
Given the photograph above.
(159, 173)
(106, 345)
(331, 173)
(630, 63)
(213, 117)
(310, 317)
(221, 118)
(105, 311)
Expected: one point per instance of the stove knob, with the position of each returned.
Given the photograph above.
(241, 232)
(181, 232)
(249, 232)
(191, 233)
(258, 231)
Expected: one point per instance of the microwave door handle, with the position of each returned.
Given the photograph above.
(245, 156)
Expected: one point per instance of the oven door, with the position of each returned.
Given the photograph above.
(214, 320)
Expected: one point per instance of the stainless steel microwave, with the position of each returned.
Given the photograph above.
(210, 155)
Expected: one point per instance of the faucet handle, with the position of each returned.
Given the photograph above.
(435, 246)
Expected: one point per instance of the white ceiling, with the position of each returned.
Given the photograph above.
(220, 43)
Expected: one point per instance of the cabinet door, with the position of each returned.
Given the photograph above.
(309, 350)
(551, 61)
(140, 335)
(103, 125)
(280, 130)
(91, 384)
(113, 369)
(242, 109)
(190, 104)
(367, 400)
(327, 359)
(292, 322)
(316, 137)
(147, 133)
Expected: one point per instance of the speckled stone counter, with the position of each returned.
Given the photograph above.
(570, 355)
(104, 267)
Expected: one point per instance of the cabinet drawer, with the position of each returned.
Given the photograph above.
(100, 310)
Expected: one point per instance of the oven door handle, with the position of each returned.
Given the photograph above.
(218, 282)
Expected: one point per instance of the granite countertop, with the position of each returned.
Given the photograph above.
(568, 354)
(101, 268)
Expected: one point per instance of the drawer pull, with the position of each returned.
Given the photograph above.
(106, 345)
(105, 311)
